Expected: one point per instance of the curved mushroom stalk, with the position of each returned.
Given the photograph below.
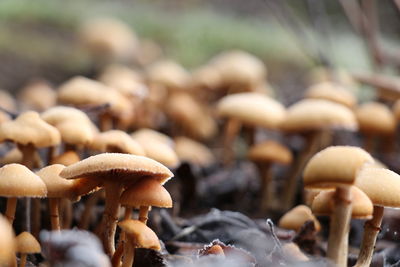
(129, 254)
(371, 231)
(144, 214)
(54, 213)
(232, 129)
(10, 209)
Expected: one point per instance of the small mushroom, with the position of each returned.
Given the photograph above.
(7, 243)
(37, 95)
(295, 218)
(194, 152)
(116, 141)
(26, 244)
(333, 92)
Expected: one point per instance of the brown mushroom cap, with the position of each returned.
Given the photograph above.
(335, 165)
(116, 141)
(270, 151)
(375, 118)
(167, 73)
(193, 152)
(37, 95)
(253, 109)
(27, 128)
(12, 156)
(146, 192)
(67, 158)
(116, 166)
(207, 77)
(382, 186)
(27, 243)
(362, 207)
(333, 92)
(7, 242)
(315, 114)
(142, 235)
(16, 180)
(154, 135)
(295, 218)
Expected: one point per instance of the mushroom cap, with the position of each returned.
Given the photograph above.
(67, 158)
(16, 180)
(7, 242)
(270, 151)
(27, 128)
(295, 218)
(252, 108)
(315, 114)
(239, 68)
(140, 233)
(293, 252)
(12, 156)
(37, 95)
(335, 165)
(117, 141)
(382, 186)
(157, 148)
(27, 243)
(375, 118)
(108, 38)
(193, 152)
(168, 73)
(146, 192)
(58, 187)
(206, 76)
(117, 167)
(333, 92)
(154, 135)
(362, 207)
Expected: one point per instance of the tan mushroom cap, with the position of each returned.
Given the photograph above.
(60, 114)
(293, 252)
(37, 95)
(375, 118)
(7, 242)
(252, 108)
(316, 114)
(168, 73)
(116, 166)
(362, 207)
(193, 152)
(16, 180)
(12, 156)
(149, 133)
(108, 38)
(27, 128)
(140, 233)
(295, 218)
(239, 68)
(333, 92)
(58, 187)
(187, 112)
(206, 76)
(27, 243)
(146, 192)
(67, 158)
(270, 151)
(335, 165)
(117, 141)
(382, 186)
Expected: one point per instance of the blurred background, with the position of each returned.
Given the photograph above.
(40, 39)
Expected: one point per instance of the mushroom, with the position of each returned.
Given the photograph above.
(376, 121)
(252, 109)
(168, 74)
(144, 194)
(16, 180)
(7, 243)
(314, 119)
(332, 91)
(293, 253)
(295, 218)
(67, 158)
(264, 155)
(194, 152)
(337, 167)
(114, 172)
(138, 236)
(382, 186)
(37, 95)
(26, 244)
(116, 141)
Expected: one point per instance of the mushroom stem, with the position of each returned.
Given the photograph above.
(116, 259)
(312, 146)
(371, 231)
(143, 214)
(22, 261)
(110, 216)
(129, 254)
(122, 239)
(267, 192)
(339, 226)
(10, 209)
(66, 211)
(106, 121)
(54, 213)
(369, 143)
(87, 212)
(232, 128)
(36, 216)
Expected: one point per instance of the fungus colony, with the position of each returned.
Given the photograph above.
(99, 155)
